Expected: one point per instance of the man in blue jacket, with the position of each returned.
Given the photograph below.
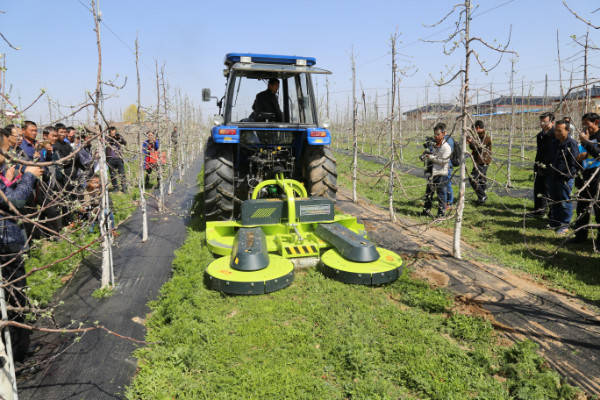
(564, 169)
(586, 199)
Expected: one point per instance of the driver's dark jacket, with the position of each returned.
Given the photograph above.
(266, 102)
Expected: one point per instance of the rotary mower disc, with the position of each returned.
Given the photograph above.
(277, 275)
(384, 270)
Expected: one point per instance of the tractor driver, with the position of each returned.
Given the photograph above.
(266, 103)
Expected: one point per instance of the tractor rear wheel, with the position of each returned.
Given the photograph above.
(219, 190)
(320, 172)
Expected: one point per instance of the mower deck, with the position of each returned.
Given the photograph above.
(275, 235)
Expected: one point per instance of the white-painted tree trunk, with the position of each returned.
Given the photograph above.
(463, 139)
(104, 221)
(8, 380)
(141, 185)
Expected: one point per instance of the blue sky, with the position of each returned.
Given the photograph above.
(58, 44)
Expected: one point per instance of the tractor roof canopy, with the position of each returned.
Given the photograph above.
(232, 58)
(261, 71)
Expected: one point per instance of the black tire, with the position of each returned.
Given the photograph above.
(320, 172)
(219, 190)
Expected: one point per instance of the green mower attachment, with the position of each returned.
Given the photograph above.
(275, 235)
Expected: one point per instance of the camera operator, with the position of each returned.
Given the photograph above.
(437, 182)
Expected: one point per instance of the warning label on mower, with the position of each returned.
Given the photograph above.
(315, 209)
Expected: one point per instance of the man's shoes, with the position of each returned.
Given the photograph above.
(426, 213)
(481, 201)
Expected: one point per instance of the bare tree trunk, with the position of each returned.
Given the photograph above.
(327, 87)
(354, 133)
(106, 234)
(562, 93)
(585, 73)
(141, 182)
(522, 121)
(401, 150)
(170, 138)
(394, 40)
(8, 380)
(512, 124)
(465, 108)
(364, 123)
(161, 192)
(490, 129)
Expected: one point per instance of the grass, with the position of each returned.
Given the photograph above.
(321, 339)
(496, 229)
(43, 285)
(103, 293)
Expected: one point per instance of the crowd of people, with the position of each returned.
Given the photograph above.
(46, 184)
(561, 163)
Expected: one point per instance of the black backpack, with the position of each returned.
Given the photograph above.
(456, 154)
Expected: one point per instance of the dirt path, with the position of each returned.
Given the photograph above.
(567, 330)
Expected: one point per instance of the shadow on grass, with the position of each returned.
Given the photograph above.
(543, 253)
(554, 257)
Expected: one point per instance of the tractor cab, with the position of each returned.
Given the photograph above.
(249, 145)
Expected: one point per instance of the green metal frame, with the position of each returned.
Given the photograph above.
(220, 235)
(289, 186)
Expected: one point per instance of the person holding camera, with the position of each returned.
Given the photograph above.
(481, 153)
(437, 182)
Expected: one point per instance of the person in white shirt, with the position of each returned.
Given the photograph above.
(438, 181)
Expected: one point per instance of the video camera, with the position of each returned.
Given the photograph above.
(429, 146)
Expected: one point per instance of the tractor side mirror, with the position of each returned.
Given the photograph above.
(205, 94)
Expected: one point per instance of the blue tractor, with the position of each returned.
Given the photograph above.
(267, 126)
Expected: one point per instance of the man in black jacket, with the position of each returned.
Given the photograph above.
(587, 198)
(564, 168)
(546, 148)
(114, 158)
(62, 148)
(266, 103)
